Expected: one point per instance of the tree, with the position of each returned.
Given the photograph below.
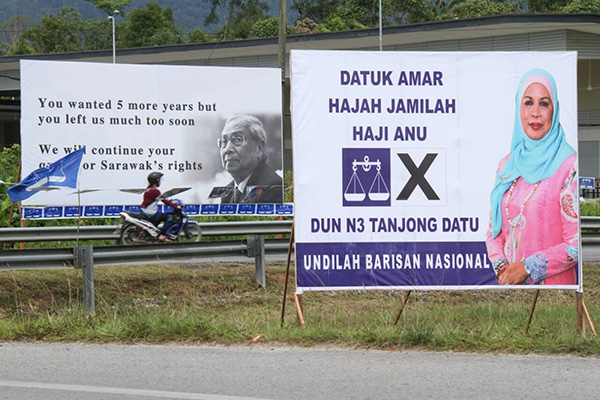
(365, 12)
(57, 33)
(150, 26)
(21, 46)
(582, 6)
(11, 31)
(414, 11)
(305, 25)
(9, 165)
(97, 34)
(268, 27)
(480, 8)
(336, 23)
(241, 19)
(348, 14)
(109, 6)
(236, 16)
(11, 36)
(316, 10)
(544, 6)
(197, 36)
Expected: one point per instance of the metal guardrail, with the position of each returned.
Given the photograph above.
(119, 255)
(107, 232)
(590, 231)
(590, 223)
(250, 228)
(172, 252)
(88, 256)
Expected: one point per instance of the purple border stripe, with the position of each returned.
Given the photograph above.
(393, 264)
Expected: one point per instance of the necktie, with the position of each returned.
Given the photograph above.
(237, 196)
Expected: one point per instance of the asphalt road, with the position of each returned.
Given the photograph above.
(114, 372)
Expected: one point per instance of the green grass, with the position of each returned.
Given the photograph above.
(589, 207)
(223, 305)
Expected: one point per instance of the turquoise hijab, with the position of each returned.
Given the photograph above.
(533, 160)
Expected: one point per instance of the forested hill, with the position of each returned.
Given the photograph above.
(188, 14)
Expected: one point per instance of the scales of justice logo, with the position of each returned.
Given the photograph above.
(366, 177)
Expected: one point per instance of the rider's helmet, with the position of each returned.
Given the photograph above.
(177, 202)
(154, 177)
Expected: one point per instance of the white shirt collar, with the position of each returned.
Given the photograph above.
(242, 185)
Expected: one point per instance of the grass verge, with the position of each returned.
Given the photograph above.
(221, 304)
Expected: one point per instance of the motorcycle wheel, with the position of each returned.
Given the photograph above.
(193, 233)
(132, 234)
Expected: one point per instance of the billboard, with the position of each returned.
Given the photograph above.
(434, 170)
(213, 130)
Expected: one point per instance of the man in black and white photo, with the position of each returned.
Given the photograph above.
(242, 148)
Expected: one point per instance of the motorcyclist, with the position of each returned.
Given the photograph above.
(150, 205)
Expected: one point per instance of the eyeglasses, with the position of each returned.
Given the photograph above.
(237, 139)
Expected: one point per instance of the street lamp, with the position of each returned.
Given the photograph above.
(112, 18)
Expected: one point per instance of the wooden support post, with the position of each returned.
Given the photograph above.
(587, 317)
(287, 274)
(402, 306)
(299, 309)
(583, 316)
(537, 293)
(580, 313)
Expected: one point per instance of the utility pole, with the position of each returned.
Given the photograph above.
(380, 27)
(282, 24)
(281, 62)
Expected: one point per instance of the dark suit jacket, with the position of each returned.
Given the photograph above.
(264, 186)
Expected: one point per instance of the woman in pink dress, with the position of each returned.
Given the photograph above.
(534, 231)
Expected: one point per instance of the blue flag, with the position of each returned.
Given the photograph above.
(61, 173)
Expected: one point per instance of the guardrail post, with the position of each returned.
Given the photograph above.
(85, 261)
(256, 249)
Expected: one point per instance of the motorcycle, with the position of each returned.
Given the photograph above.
(137, 229)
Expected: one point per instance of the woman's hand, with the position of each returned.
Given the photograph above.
(512, 274)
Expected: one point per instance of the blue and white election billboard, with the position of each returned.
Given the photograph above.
(214, 130)
(433, 170)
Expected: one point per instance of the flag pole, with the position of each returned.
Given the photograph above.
(22, 221)
(78, 213)
(77, 262)
(12, 204)
(78, 207)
